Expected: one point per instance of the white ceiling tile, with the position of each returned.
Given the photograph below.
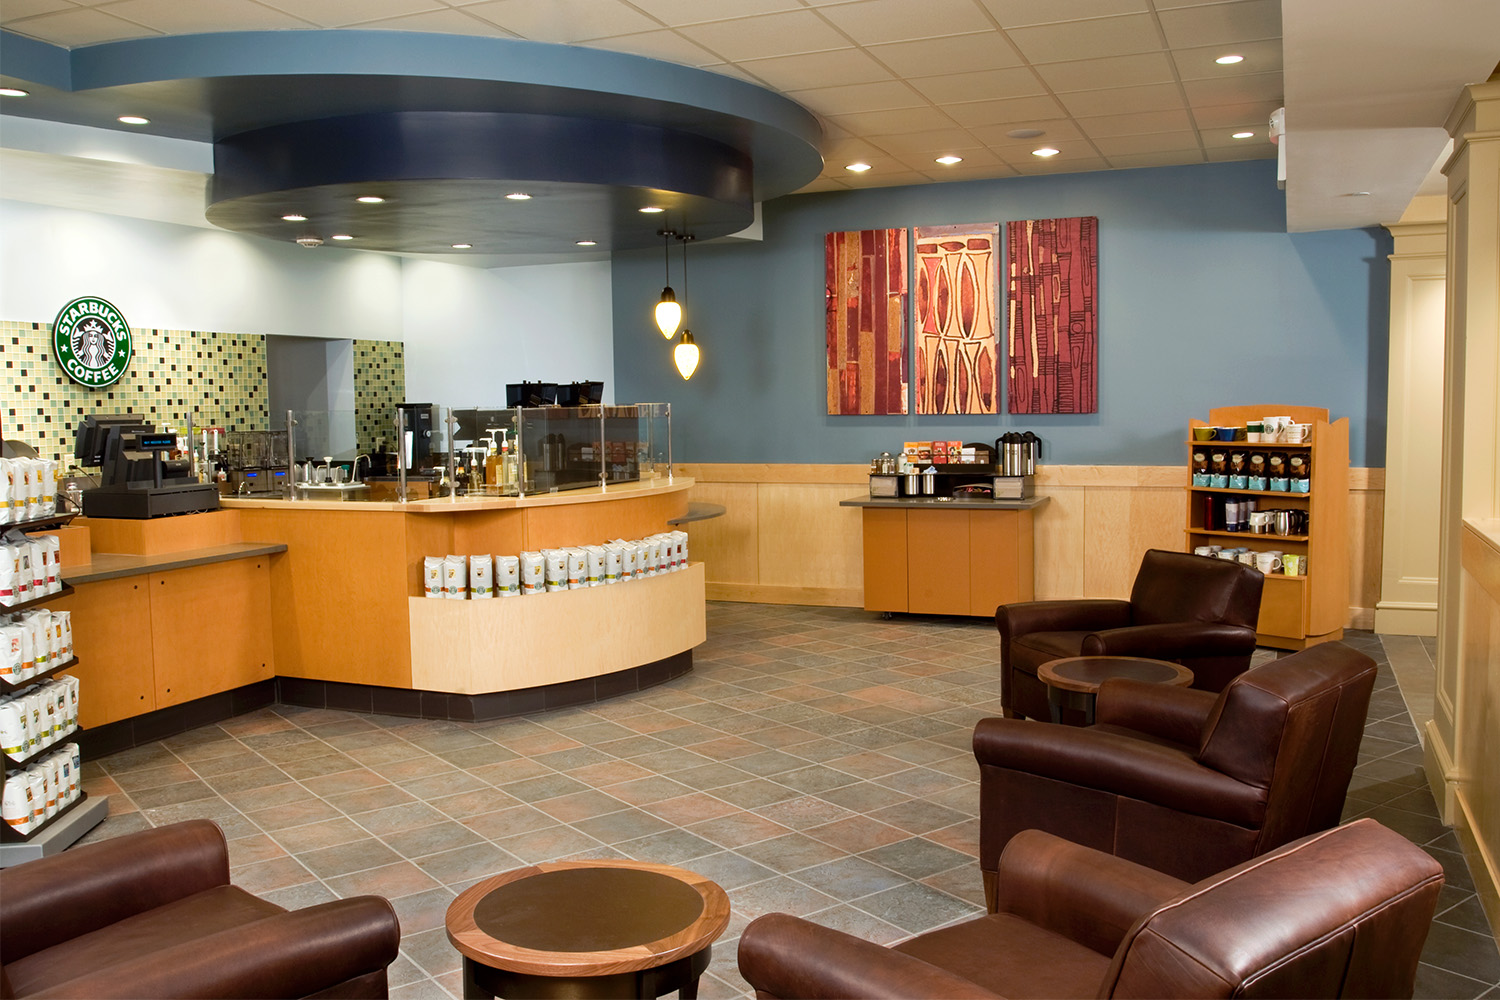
(447, 20)
(889, 178)
(1149, 142)
(989, 85)
(680, 12)
(1123, 100)
(563, 20)
(817, 69)
(1172, 158)
(71, 28)
(1059, 134)
(973, 158)
(1256, 114)
(937, 142)
(822, 184)
(1223, 138)
(767, 35)
(1235, 154)
(965, 172)
(730, 70)
(1019, 109)
(175, 17)
(1198, 64)
(890, 122)
(871, 21)
(858, 97)
(1222, 23)
(1106, 126)
(1033, 165)
(1111, 71)
(16, 9)
(668, 46)
(1014, 13)
(849, 149)
(1073, 40)
(340, 13)
(954, 54)
(1234, 90)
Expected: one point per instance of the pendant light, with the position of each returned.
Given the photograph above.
(668, 312)
(685, 354)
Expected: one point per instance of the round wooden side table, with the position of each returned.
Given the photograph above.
(1073, 682)
(587, 929)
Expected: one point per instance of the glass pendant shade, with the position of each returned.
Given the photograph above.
(686, 355)
(668, 313)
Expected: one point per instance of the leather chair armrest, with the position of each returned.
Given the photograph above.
(1083, 894)
(1172, 640)
(1169, 713)
(67, 895)
(1060, 616)
(291, 954)
(785, 956)
(1120, 765)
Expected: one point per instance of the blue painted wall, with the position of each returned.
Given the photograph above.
(1205, 300)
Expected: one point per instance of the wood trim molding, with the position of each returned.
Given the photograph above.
(1109, 476)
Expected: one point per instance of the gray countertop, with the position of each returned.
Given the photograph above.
(111, 565)
(944, 503)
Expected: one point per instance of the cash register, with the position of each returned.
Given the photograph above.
(136, 478)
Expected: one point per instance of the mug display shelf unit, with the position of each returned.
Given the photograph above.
(61, 830)
(1305, 609)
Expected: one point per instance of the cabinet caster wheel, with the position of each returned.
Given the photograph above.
(886, 616)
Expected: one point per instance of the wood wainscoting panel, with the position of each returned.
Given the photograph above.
(112, 640)
(624, 516)
(807, 539)
(158, 535)
(729, 543)
(208, 628)
(1366, 545)
(1110, 561)
(1060, 544)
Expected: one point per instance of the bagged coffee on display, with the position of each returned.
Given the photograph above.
(40, 624)
(48, 769)
(33, 488)
(432, 576)
(682, 548)
(49, 487)
(52, 548)
(630, 561)
(38, 795)
(38, 560)
(12, 670)
(455, 578)
(1200, 467)
(64, 620)
(557, 569)
(578, 562)
(25, 583)
(508, 576)
(13, 736)
(593, 574)
(533, 573)
(72, 684)
(1300, 473)
(28, 651)
(10, 576)
(481, 577)
(15, 806)
(1238, 470)
(7, 492)
(614, 562)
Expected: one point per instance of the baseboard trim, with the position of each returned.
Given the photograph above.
(756, 593)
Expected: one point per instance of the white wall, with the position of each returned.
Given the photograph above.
(470, 332)
(173, 277)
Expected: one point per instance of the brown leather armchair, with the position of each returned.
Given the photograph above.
(1186, 782)
(152, 914)
(1193, 610)
(1341, 913)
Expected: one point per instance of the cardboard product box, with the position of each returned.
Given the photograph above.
(913, 451)
(924, 452)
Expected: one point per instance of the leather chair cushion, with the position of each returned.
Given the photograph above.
(197, 916)
(1012, 957)
(1030, 651)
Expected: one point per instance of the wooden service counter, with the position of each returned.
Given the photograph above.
(946, 556)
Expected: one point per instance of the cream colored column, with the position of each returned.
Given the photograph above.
(1460, 748)
(1414, 419)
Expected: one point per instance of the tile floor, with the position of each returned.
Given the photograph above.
(816, 761)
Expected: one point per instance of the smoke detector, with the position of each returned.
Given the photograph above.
(309, 241)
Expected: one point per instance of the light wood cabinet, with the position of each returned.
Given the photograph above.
(1299, 610)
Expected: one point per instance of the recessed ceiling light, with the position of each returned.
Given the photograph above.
(463, 246)
(858, 168)
(13, 92)
(587, 243)
(134, 120)
(948, 161)
(342, 236)
(1229, 60)
(1025, 133)
(519, 196)
(1045, 152)
(652, 209)
(369, 199)
(1243, 135)
(293, 217)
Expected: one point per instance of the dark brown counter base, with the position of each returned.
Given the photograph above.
(304, 693)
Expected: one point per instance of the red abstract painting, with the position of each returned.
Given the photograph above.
(957, 284)
(1053, 293)
(866, 324)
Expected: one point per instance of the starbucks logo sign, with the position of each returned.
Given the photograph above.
(92, 342)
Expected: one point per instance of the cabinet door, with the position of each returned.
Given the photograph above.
(112, 639)
(211, 629)
(1000, 559)
(1283, 607)
(885, 559)
(937, 558)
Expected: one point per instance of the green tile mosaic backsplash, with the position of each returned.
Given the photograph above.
(220, 378)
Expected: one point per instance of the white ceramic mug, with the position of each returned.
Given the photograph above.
(1267, 562)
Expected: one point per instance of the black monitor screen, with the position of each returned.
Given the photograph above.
(93, 434)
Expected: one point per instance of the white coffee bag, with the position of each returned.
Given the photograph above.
(508, 576)
(481, 577)
(432, 576)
